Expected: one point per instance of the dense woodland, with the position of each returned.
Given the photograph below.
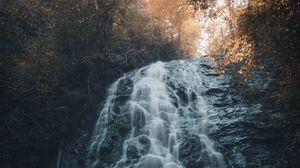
(58, 57)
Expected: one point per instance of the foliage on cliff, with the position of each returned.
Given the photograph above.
(262, 37)
(257, 41)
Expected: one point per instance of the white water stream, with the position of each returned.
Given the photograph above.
(165, 107)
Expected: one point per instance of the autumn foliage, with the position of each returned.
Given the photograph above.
(258, 36)
(57, 57)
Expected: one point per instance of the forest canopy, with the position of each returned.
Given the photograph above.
(255, 36)
(58, 57)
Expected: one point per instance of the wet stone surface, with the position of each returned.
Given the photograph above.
(183, 114)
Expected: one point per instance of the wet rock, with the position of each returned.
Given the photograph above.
(144, 144)
(124, 131)
(121, 100)
(183, 96)
(132, 152)
(220, 104)
(190, 150)
(212, 74)
(246, 134)
(125, 87)
(206, 66)
(214, 91)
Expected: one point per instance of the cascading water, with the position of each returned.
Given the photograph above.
(155, 117)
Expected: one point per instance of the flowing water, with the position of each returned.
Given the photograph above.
(155, 117)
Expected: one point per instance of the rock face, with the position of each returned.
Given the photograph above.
(181, 114)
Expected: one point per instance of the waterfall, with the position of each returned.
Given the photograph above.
(155, 117)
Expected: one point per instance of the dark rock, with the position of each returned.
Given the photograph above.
(145, 144)
(212, 74)
(124, 131)
(220, 104)
(206, 66)
(132, 152)
(125, 87)
(190, 151)
(183, 96)
(214, 91)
